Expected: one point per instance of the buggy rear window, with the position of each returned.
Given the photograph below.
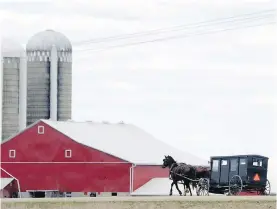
(224, 162)
(243, 161)
(257, 162)
(234, 165)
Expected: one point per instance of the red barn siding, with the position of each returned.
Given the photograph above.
(3, 174)
(143, 174)
(50, 147)
(40, 164)
(70, 177)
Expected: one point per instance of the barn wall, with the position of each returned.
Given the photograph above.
(40, 164)
(71, 177)
(3, 174)
(50, 147)
(4, 193)
(143, 174)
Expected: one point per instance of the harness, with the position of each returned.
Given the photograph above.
(170, 170)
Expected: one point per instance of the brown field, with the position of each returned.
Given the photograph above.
(211, 202)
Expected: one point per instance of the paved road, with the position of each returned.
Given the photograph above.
(150, 198)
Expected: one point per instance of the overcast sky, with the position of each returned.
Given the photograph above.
(207, 94)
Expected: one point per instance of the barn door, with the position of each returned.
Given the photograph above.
(224, 172)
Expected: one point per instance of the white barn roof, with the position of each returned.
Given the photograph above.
(124, 141)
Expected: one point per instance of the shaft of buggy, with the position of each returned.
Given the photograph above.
(196, 180)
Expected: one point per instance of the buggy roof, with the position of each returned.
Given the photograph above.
(238, 156)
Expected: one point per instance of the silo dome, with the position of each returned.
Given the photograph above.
(43, 41)
(11, 48)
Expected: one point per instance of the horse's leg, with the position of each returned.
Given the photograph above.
(176, 185)
(189, 189)
(170, 193)
(193, 184)
(185, 189)
(194, 187)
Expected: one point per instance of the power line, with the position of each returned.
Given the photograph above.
(168, 28)
(233, 19)
(177, 28)
(246, 20)
(176, 37)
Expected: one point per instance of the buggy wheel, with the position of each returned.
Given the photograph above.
(235, 185)
(203, 187)
(266, 190)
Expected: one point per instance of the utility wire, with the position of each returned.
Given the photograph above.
(233, 19)
(171, 37)
(177, 28)
(232, 23)
(168, 28)
(176, 37)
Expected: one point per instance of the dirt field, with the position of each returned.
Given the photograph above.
(211, 202)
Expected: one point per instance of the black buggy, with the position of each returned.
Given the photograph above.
(232, 175)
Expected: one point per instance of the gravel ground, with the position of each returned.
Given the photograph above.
(210, 202)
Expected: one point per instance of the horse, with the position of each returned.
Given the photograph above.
(202, 172)
(186, 190)
(178, 172)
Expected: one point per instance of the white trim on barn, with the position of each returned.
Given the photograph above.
(68, 153)
(12, 153)
(40, 129)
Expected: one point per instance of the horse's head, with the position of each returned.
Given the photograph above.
(168, 161)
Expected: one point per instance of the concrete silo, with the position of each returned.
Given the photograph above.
(13, 88)
(49, 77)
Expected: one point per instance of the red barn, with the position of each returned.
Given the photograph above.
(86, 157)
